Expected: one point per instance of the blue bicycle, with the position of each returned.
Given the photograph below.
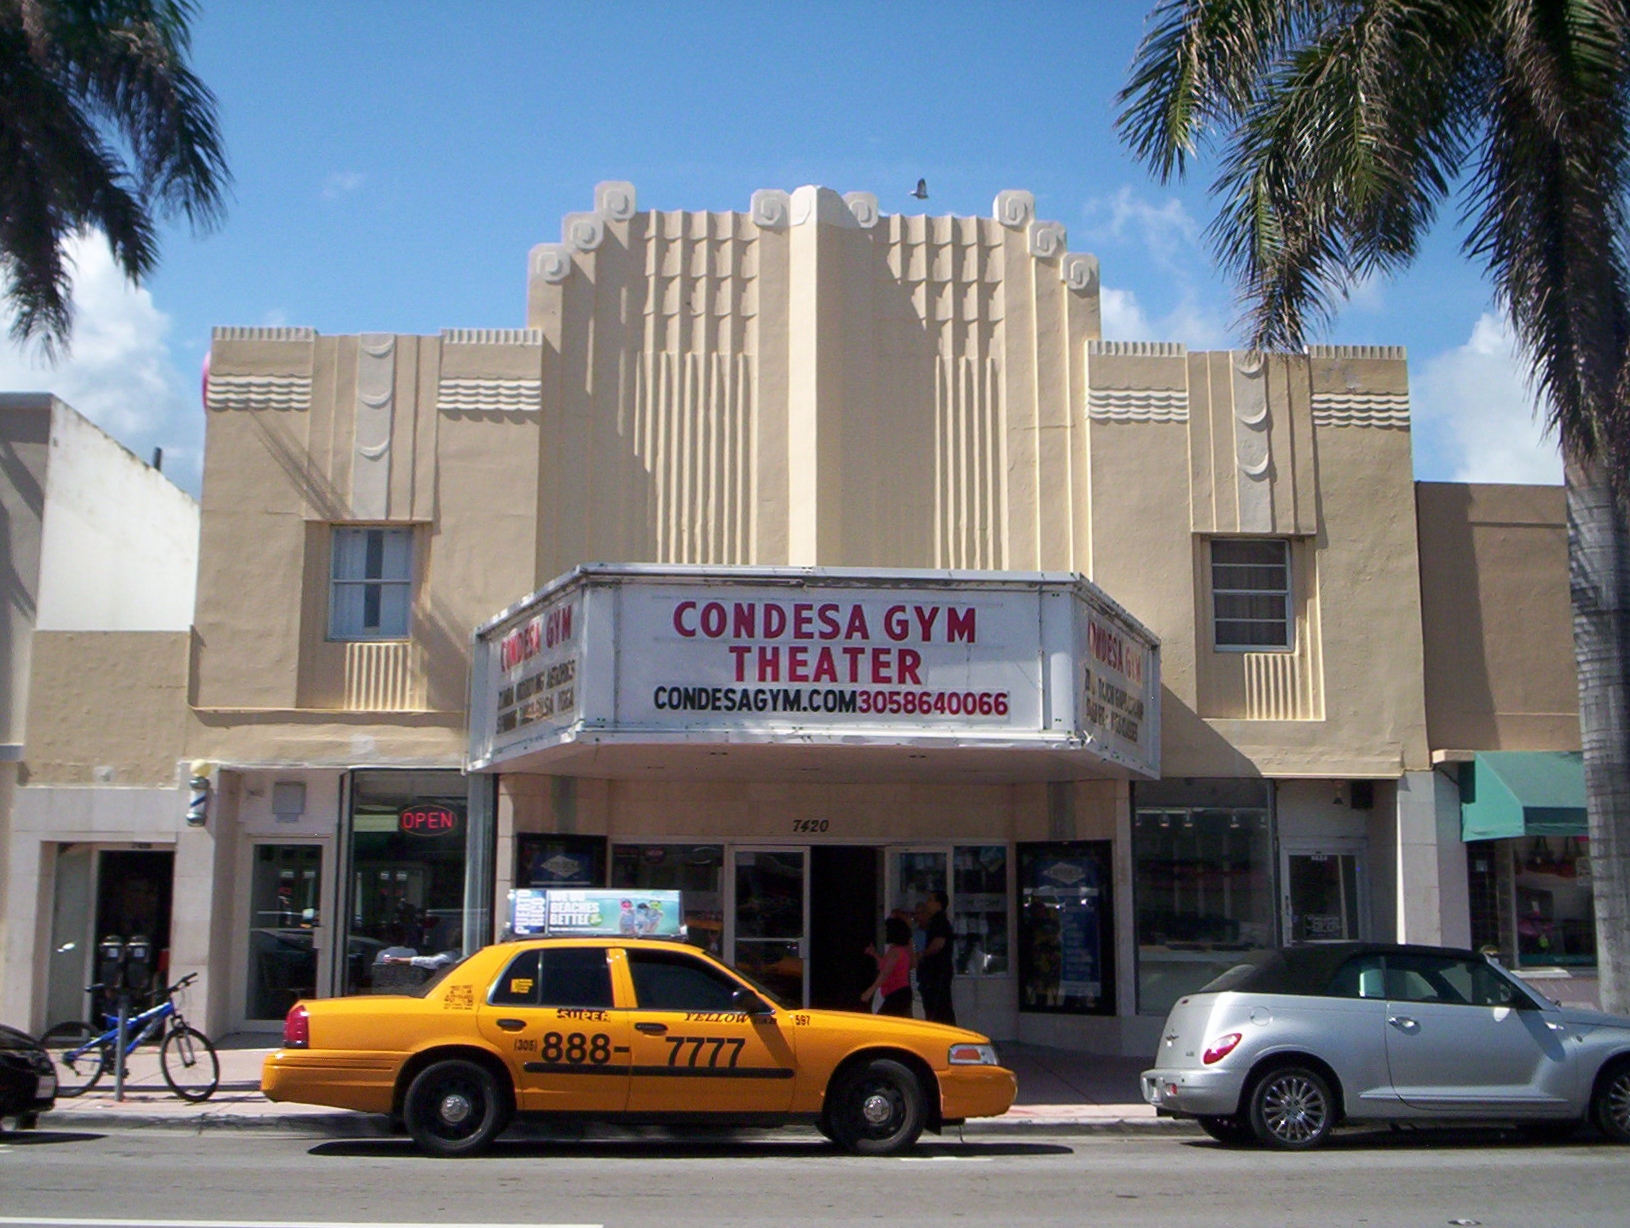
(81, 1055)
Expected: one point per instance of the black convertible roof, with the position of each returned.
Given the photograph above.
(1308, 969)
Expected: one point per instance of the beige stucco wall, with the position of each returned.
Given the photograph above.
(106, 707)
(807, 381)
(1498, 627)
(25, 437)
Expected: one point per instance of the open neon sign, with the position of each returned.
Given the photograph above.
(427, 820)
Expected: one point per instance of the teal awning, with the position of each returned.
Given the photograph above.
(1522, 793)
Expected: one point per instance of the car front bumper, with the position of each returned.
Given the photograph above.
(1194, 1093)
(976, 1091)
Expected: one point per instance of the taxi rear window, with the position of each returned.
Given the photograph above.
(570, 976)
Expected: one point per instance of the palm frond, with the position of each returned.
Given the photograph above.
(1546, 214)
(1198, 67)
(102, 124)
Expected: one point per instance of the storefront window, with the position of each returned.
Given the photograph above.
(1204, 892)
(695, 870)
(1066, 928)
(979, 909)
(1555, 905)
(978, 894)
(560, 861)
(406, 888)
(284, 905)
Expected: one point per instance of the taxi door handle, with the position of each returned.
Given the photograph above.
(651, 1029)
(512, 1025)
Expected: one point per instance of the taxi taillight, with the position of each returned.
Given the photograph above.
(297, 1028)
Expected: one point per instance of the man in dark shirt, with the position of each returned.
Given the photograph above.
(934, 965)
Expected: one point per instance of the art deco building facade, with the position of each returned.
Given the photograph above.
(822, 558)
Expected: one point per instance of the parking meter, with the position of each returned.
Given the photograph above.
(110, 965)
(138, 964)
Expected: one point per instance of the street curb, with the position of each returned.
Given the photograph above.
(368, 1125)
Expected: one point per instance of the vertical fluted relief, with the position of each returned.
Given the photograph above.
(945, 273)
(692, 426)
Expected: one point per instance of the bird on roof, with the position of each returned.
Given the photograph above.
(922, 190)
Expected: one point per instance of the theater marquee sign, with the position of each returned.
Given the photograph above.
(820, 656)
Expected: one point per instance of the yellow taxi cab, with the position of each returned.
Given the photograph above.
(633, 1030)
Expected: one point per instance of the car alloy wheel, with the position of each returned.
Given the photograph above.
(454, 1108)
(1611, 1104)
(877, 1108)
(1291, 1109)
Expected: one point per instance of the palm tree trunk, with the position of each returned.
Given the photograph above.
(1599, 569)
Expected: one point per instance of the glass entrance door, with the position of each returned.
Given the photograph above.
(1322, 895)
(286, 931)
(772, 920)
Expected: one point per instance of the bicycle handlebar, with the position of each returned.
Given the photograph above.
(181, 984)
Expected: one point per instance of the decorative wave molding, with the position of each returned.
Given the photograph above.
(1137, 405)
(489, 396)
(492, 336)
(287, 392)
(1386, 410)
(1394, 353)
(1137, 349)
(237, 333)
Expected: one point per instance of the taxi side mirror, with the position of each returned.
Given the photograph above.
(745, 999)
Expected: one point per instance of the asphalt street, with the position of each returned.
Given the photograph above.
(144, 1178)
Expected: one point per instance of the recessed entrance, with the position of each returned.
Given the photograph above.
(845, 912)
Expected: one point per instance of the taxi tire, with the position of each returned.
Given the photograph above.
(899, 1091)
(432, 1095)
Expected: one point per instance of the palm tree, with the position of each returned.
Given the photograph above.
(1341, 127)
(102, 126)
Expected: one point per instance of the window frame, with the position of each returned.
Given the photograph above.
(338, 583)
(1288, 593)
(539, 956)
(679, 957)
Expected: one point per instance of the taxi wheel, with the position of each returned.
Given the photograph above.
(877, 1109)
(454, 1108)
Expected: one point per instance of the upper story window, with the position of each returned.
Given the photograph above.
(1250, 593)
(371, 584)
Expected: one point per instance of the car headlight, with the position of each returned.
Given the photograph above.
(973, 1055)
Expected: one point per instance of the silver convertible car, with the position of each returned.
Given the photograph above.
(1289, 1044)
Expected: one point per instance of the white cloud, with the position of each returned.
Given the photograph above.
(1124, 319)
(342, 183)
(1169, 241)
(1475, 411)
(1165, 230)
(118, 372)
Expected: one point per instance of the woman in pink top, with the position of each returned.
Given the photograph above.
(893, 970)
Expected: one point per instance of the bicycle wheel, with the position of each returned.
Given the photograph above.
(189, 1064)
(76, 1072)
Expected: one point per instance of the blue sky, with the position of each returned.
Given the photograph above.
(395, 162)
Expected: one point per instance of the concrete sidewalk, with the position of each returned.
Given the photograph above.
(1059, 1090)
